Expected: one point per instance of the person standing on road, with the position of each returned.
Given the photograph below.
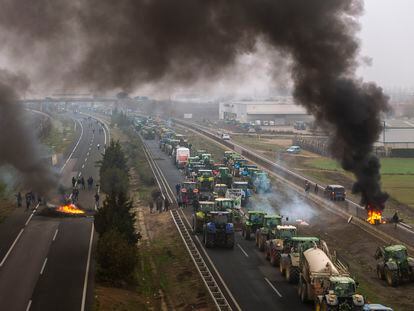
(166, 205)
(159, 204)
(307, 186)
(73, 182)
(19, 199)
(316, 188)
(28, 198)
(83, 183)
(177, 188)
(96, 200)
(90, 183)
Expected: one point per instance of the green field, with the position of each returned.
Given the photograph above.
(397, 175)
(399, 166)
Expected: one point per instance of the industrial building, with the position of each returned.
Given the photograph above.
(280, 112)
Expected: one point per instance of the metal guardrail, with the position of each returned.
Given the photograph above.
(205, 274)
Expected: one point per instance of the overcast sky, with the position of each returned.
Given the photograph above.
(388, 38)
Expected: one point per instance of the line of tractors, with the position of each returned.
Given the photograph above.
(219, 193)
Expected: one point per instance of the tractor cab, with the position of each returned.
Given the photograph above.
(272, 221)
(285, 232)
(395, 252)
(199, 216)
(342, 286)
(188, 192)
(223, 204)
(220, 190)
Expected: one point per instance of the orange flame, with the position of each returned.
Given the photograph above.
(374, 217)
(69, 209)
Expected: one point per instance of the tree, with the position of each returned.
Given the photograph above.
(116, 258)
(116, 214)
(114, 169)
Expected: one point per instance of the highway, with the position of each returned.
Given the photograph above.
(249, 282)
(46, 261)
(252, 282)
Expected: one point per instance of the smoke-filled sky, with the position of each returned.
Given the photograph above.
(103, 45)
(387, 37)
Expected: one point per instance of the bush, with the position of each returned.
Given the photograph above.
(115, 214)
(116, 259)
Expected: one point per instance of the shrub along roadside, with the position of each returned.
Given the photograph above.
(117, 252)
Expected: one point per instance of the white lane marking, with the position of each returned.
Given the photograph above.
(54, 236)
(29, 305)
(88, 262)
(43, 267)
(74, 149)
(89, 149)
(83, 165)
(11, 247)
(29, 219)
(88, 153)
(86, 159)
(273, 287)
(244, 252)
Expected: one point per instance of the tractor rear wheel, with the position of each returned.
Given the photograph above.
(391, 277)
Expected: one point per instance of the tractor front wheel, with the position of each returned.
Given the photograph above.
(261, 243)
(247, 234)
(391, 277)
(282, 269)
(292, 274)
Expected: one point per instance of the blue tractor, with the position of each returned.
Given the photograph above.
(218, 229)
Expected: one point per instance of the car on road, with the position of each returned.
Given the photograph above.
(293, 149)
(225, 136)
(335, 192)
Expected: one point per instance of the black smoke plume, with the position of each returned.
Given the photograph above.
(125, 43)
(18, 143)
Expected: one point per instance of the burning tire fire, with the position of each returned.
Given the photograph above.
(69, 209)
(374, 216)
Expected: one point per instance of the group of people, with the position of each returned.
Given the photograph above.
(159, 204)
(80, 182)
(308, 187)
(30, 199)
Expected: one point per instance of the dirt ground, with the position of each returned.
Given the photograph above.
(167, 277)
(354, 247)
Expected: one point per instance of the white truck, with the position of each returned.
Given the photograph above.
(181, 156)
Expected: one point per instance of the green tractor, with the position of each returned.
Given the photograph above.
(253, 221)
(224, 176)
(290, 257)
(199, 216)
(275, 246)
(394, 265)
(227, 156)
(205, 180)
(218, 229)
(268, 231)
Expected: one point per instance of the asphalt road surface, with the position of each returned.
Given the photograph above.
(252, 281)
(45, 261)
